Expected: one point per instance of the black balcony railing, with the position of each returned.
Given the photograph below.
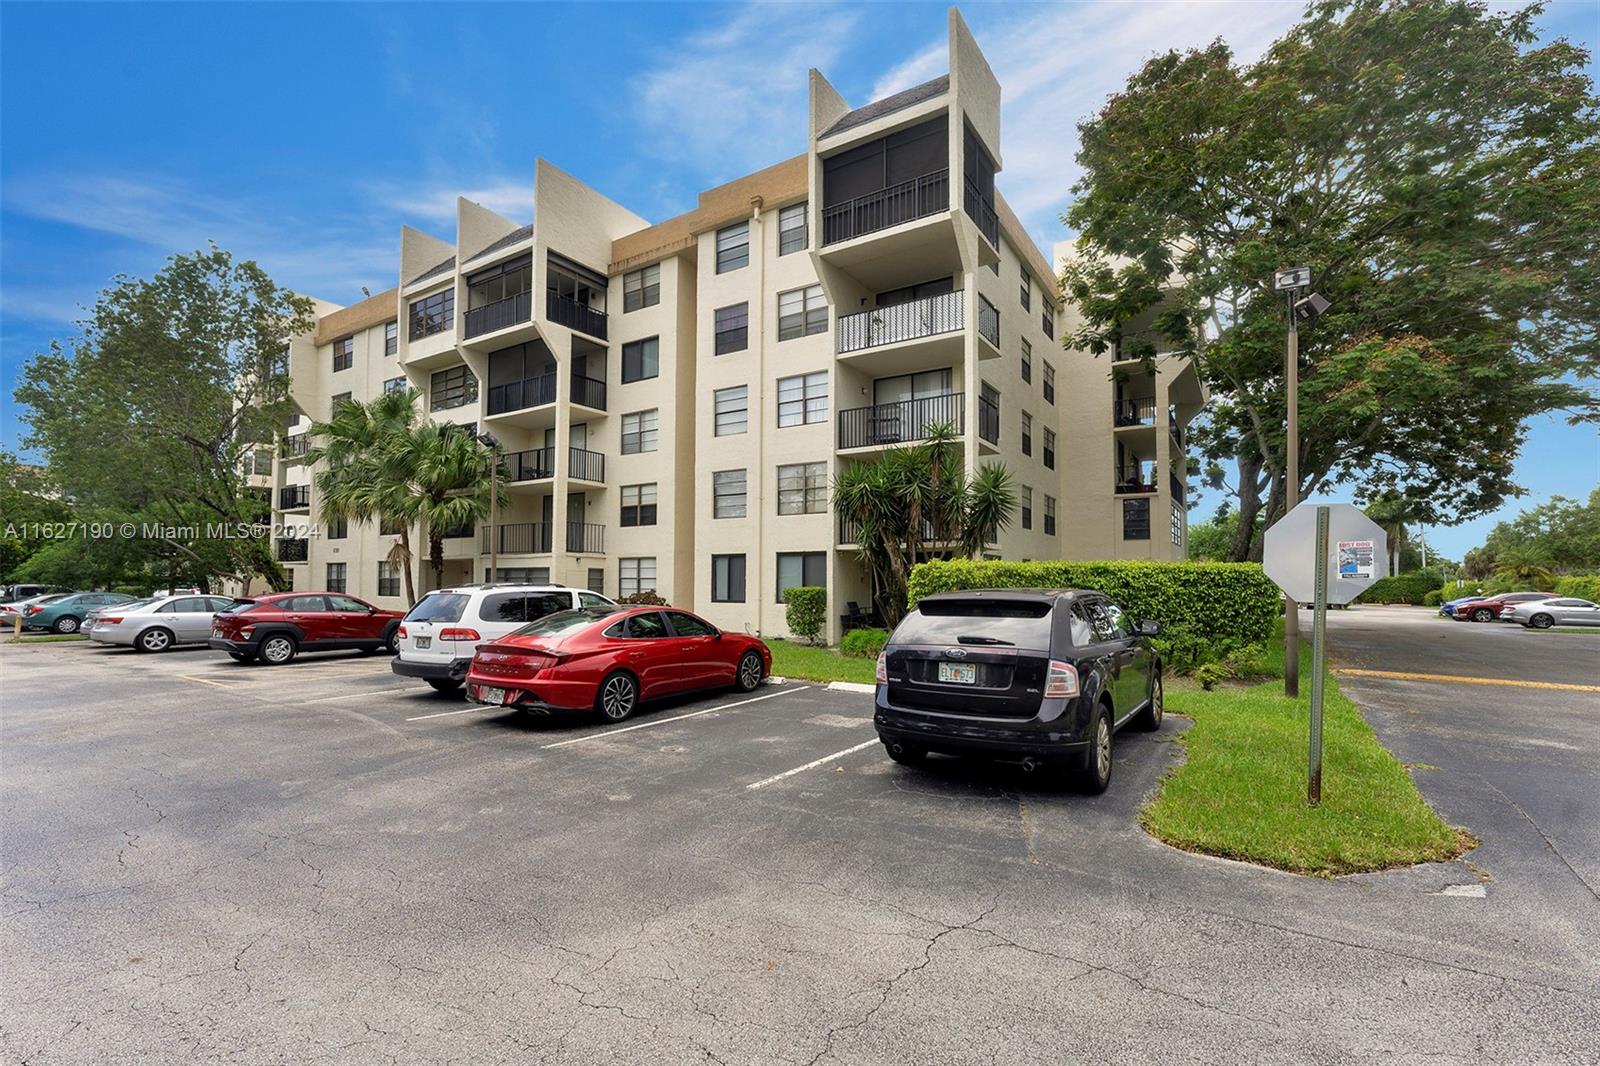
(293, 551)
(988, 322)
(531, 465)
(1136, 478)
(1175, 427)
(905, 202)
(294, 497)
(590, 392)
(502, 313)
(517, 538)
(927, 317)
(586, 538)
(982, 212)
(1177, 486)
(296, 446)
(903, 420)
(516, 395)
(989, 419)
(1139, 412)
(586, 465)
(565, 311)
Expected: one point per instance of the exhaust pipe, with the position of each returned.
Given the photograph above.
(897, 748)
(1029, 765)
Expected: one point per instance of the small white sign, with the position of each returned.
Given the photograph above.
(1292, 278)
(1356, 560)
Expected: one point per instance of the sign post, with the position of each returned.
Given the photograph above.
(1290, 281)
(1319, 626)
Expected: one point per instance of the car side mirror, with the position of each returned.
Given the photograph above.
(716, 634)
(1149, 628)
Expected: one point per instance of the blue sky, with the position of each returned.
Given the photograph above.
(303, 136)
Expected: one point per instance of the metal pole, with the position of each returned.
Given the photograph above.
(1291, 489)
(1318, 659)
(494, 512)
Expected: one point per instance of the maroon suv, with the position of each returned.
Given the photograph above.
(277, 628)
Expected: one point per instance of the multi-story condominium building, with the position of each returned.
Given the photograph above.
(674, 408)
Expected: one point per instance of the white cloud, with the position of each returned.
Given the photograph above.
(436, 203)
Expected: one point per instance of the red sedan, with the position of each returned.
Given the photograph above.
(1490, 608)
(611, 659)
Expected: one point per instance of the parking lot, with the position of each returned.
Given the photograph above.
(325, 863)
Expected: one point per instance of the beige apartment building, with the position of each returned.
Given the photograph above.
(674, 409)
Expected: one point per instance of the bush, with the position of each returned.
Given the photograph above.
(1581, 588)
(133, 590)
(864, 643)
(1434, 598)
(1206, 610)
(647, 598)
(806, 606)
(1402, 588)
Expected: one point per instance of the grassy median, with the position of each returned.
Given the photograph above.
(813, 663)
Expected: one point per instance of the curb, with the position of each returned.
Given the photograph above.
(852, 686)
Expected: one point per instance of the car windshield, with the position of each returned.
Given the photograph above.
(240, 607)
(563, 623)
(439, 607)
(1022, 624)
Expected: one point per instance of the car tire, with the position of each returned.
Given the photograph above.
(618, 697)
(1541, 621)
(278, 649)
(391, 643)
(154, 639)
(748, 678)
(65, 624)
(1094, 776)
(1483, 614)
(241, 657)
(1149, 719)
(444, 684)
(905, 754)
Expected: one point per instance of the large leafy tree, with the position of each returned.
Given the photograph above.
(917, 503)
(26, 499)
(1439, 171)
(146, 415)
(1562, 536)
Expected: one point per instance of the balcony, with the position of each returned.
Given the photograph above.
(531, 465)
(565, 311)
(1137, 412)
(988, 322)
(293, 551)
(296, 446)
(586, 538)
(1137, 478)
(927, 317)
(989, 420)
(982, 212)
(518, 538)
(584, 465)
(517, 395)
(511, 311)
(589, 392)
(901, 421)
(905, 202)
(294, 498)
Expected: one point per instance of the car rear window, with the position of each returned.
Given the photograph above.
(522, 606)
(562, 623)
(1019, 623)
(439, 607)
(242, 607)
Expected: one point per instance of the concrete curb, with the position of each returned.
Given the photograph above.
(852, 686)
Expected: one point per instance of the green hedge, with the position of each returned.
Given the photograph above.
(1582, 588)
(1206, 610)
(1402, 588)
(864, 643)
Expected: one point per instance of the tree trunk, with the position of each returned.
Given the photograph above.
(405, 543)
(436, 557)
(1249, 508)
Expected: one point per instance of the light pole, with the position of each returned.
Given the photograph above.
(493, 444)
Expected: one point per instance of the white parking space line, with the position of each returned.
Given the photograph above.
(363, 695)
(813, 764)
(674, 718)
(463, 710)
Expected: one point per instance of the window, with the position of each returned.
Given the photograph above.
(391, 338)
(1049, 449)
(729, 495)
(639, 505)
(635, 576)
(685, 624)
(1177, 524)
(388, 579)
(803, 399)
(454, 387)
(597, 585)
(803, 488)
(1047, 321)
(1027, 507)
(797, 569)
(1135, 519)
(641, 431)
(1049, 516)
(433, 314)
(1027, 433)
(338, 528)
(732, 328)
(1027, 362)
(727, 579)
(792, 233)
(641, 359)
(1049, 383)
(503, 281)
(802, 312)
(394, 384)
(333, 405)
(520, 575)
(336, 579)
(344, 353)
(733, 247)
(641, 288)
(1027, 292)
(731, 410)
(642, 626)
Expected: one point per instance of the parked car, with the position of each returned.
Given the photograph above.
(440, 633)
(65, 614)
(17, 593)
(276, 628)
(157, 623)
(92, 619)
(608, 660)
(10, 611)
(1555, 611)
(1490, 608)
(1018, 674)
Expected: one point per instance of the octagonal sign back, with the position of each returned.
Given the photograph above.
(1358, 552)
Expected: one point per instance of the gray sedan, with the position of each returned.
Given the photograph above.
(158, 624)
(1561, 611)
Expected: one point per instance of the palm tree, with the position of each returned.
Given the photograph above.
(1525, 567)
(450, 478)
(917, 503)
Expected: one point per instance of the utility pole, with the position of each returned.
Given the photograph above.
(1291, 497)
(493, 444)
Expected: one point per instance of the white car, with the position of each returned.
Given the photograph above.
(1555, 611)
(156, 623)
(439, 635)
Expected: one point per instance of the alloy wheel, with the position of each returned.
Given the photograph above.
(1102, 747)
(1157, 702)
(277, 650)
(617, 697)
(154, 640)
(68, 624)
(1543, 621)
(750, 672)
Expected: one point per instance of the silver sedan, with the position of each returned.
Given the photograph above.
(1557, 611)
(158, 623)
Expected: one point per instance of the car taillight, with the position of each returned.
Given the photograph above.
(32, 610)
(403, 632)
(453, 633)
(1062, 681)
(110, 621)
(880, 673)
(246, 631)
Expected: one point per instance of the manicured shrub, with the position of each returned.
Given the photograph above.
(805, 607)
(1581, 588)
(864, 643)
(647, 598)
(1402, 588)
(133, 590)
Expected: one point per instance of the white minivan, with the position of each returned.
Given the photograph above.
(439, 635)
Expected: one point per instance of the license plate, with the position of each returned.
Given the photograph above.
(423, 642)
(491, 695)
(958, 673)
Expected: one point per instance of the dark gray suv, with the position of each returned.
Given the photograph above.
(1030, 675)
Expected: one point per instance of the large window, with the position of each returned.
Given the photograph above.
(1027, 362)
(456, 386)
(641, 431)
(500, 282)
(802, 312)
(733, 247)
(636, 575)
(1177, 524)
(1047, 321)
(1027, 433)
(731, 410)
(1049, 383)
(338, 399)
(727, 579)
(639, 505)
(803, 488)
(338, 528)
(1027, 507)
(388, 579)
(732, 328)
(803, 399)
(796, 569)
(792, 233)
(433, 314)
(394, 384)
(344, 353)
(1049, 516)
(641, 359)
(729, 494)
(1135, 519)
(391, 338)
(336, 578)
(1027, 292)
(641, 288)
(1049, 449)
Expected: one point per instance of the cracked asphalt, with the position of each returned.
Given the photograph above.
(323, 864)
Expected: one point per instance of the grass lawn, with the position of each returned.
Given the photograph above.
(1595, 630)
(48, 638)
(817, 663)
